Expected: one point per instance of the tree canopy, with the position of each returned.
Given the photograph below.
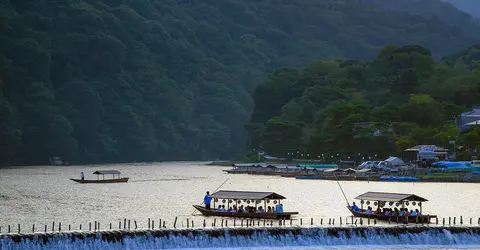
(400, 99)
(95, 81)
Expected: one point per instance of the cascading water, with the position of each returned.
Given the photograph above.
(294, 238)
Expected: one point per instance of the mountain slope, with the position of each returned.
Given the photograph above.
(143, 80)
(471, 7)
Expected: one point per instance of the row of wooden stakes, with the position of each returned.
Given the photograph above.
(127, 225)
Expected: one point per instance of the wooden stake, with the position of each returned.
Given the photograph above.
(175, 223)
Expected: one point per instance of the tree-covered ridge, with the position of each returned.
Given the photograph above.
(400, 99)
(143, 80)
(469, 6)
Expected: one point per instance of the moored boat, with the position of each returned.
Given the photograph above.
(393, 201)
(248, 198)
(114, 173)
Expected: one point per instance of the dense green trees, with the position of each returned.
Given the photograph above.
(143, 80)
(400, 99)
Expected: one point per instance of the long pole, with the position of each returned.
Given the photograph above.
(214, 191)
(348, 203)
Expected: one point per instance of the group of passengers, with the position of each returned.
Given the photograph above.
(250, 209)
(388, 211)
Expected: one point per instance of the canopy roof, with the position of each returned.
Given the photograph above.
(240, 195)
(331, 170)
(107, 172)
(395, 197)
(433, 148)
(317, 165)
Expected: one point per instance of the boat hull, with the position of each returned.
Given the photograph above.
(211, 212)
(101, 181)
(395, 219)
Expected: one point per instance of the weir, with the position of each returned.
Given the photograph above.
(247, 237)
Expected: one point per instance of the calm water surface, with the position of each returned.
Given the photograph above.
(45, 194)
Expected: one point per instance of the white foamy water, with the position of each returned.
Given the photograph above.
(309, 239)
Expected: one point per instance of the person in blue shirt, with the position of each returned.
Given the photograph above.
(207, 200)
(355, 208)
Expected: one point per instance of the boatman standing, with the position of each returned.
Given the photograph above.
(83, 176)
(207, 199)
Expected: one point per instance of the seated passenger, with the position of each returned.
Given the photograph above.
(396, 212)
(223, 209)
(419, 213)
(219, 209)
(260, 210)
(269, 209)
(413, 213)
(369, 210)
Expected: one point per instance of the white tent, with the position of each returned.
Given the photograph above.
(391, 162)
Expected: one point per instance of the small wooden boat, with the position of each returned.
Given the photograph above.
(393, 200)
(103, 180)
(246, 198)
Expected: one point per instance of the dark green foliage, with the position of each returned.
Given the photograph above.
(144, 80)
(401, 99)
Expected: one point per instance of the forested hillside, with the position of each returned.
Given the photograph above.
(144, 80)
(400, 99)
(471, 7)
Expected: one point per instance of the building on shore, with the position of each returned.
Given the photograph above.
(422, 154)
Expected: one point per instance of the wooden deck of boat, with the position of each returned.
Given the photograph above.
(265, 215)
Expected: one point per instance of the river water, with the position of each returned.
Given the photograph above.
(44, 194)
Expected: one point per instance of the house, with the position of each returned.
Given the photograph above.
(469, 119)
(427, 152)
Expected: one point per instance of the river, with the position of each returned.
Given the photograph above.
(43, 194)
